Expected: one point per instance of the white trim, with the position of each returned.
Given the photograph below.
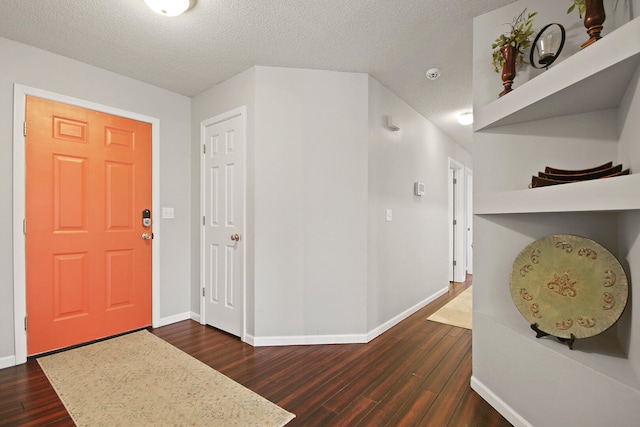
(173, 319)
(459, 244)
(306, 340)
(20, 93)
(342, 339)
(195, 317)
(242, 112)
(250, 339)
(408, 312)
(7, 362)
(498, 404)
(468, 215)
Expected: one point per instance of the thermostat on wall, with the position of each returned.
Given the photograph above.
(418, 188)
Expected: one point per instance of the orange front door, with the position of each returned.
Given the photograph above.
(88, 179)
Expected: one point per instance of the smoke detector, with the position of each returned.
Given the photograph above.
(433, 73)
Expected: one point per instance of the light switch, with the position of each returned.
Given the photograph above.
(389, 215)
(167, 213)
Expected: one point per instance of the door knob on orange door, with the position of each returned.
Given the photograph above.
(147, 236)
(235, 237)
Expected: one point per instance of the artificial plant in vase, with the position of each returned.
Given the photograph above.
(509, 48)
(594, 16)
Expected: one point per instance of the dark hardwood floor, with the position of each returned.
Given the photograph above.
(415, 374)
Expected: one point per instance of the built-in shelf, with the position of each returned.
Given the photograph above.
(593, 79)
(607, 194)
(601, 353)
(511, 367)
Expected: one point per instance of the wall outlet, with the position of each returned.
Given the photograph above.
(389, 215)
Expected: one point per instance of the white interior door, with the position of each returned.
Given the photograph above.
(223, 211)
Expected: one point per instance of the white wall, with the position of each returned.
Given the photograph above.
(36, 68)
(408, 257)
(235, 92)
(578, 141)
(306, 199)
(322, 263)
(629, 126)
(311, 140)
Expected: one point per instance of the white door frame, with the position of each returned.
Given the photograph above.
(20, 93)
(468, 186)
(457, 211)
(240, 111)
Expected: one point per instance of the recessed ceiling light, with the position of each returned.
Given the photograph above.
(170, 7)
(465, 119)
(433, 73)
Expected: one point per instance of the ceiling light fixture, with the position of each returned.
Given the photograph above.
(465, 119)
(170, 7)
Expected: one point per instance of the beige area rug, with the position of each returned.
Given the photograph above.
(457, 312)
(140, 380)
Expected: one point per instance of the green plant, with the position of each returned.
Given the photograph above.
(581, 5)
(518, 37)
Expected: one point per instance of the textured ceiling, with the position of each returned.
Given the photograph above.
(394, 41)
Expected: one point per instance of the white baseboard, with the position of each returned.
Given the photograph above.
(195, 317)
(164, 321)
(305, 340)
(249, 339)
(7, 361)
(498, 404)
(408, 312)
(341, 339)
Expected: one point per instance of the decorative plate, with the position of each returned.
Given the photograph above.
(569, 285)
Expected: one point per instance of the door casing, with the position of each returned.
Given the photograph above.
(457, 207)
(468, 186)
(20, 93)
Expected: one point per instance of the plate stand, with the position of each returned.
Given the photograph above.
(540, 334)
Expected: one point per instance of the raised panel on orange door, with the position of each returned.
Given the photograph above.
(88, 178)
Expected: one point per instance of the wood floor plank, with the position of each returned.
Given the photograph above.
(444, 407)
(395, 403)
(440, 375)
(356, 410)
(417, 373)
(471, 410)
(321, 417)
(382, 385)
(413, 413)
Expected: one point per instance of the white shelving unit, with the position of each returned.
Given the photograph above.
(540, 381)
(611, 194)
(593, 79)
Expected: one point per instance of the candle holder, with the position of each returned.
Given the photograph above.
(547, 46)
